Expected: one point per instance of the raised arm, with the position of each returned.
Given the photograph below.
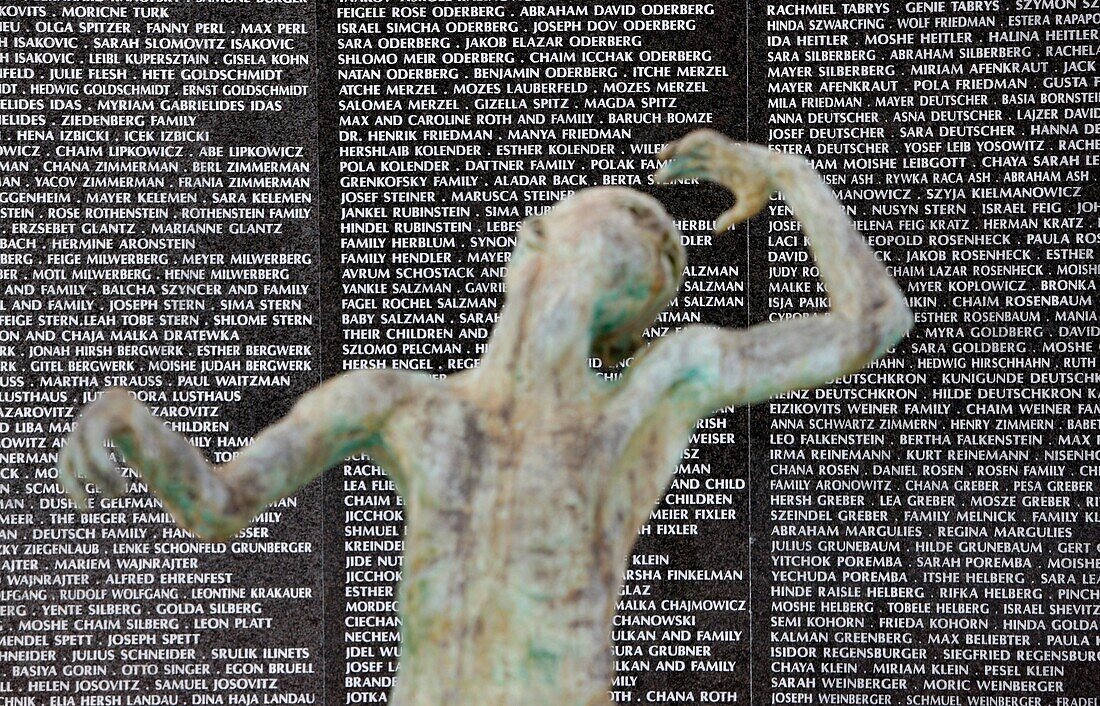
(340, 418)
(715, 368)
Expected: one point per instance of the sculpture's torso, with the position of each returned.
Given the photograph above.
(514, 550)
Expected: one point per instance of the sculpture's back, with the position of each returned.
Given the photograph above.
(510, 577)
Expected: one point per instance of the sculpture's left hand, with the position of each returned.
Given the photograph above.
(746, 170)
(84, 455)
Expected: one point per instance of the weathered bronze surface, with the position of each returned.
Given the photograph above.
(526, 479)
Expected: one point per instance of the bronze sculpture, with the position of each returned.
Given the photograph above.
(526, 479)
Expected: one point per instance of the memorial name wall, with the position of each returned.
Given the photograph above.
(219, 204)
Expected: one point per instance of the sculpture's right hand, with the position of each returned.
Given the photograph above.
(84, 455)
(746, 170)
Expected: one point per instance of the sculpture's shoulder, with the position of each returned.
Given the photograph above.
(674, 379)
(439, 406)
(436, 431)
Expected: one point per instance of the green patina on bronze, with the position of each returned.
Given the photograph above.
(527, 479)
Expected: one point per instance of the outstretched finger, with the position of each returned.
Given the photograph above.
(727, 220)
(744, 209)
(679, 169)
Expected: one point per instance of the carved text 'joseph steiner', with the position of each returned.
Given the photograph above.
(526, 479)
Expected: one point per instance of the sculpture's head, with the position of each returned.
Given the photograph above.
(614, 244)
